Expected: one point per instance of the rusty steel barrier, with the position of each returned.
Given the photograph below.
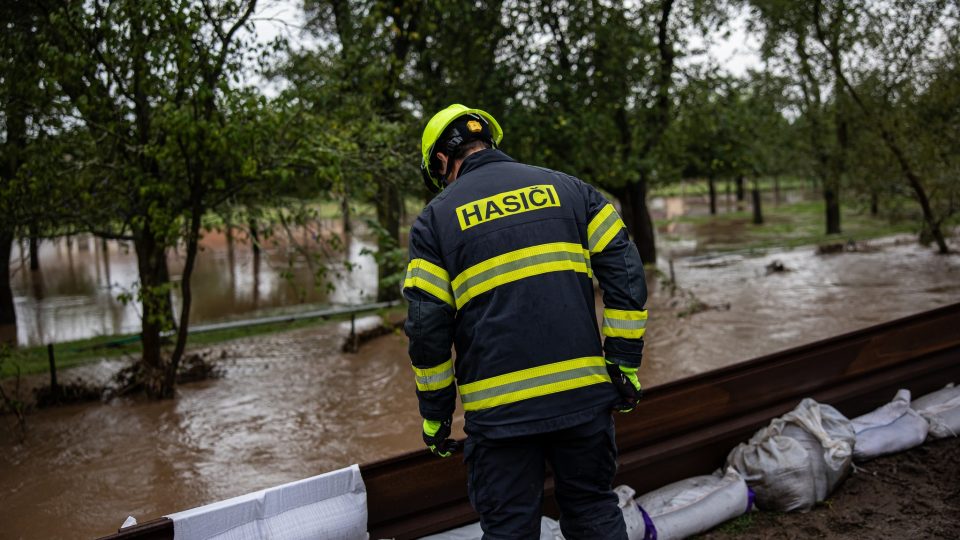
(686, 427)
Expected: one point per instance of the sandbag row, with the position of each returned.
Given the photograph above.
(790, 465)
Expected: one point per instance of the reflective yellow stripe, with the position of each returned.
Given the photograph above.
(603, 228)
(533, 382)
(435, 378)
(625, 315)
(519, 264)
(624, 323)
(423, 274)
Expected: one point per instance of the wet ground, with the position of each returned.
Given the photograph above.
(291, 405)
(914, 494)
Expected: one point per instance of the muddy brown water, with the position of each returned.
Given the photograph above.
(291, 405)
(74, 295)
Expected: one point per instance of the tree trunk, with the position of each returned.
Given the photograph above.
(741, 192)
(8, 315)
(155, 308)
(831, 199)
(105, 250)
(757, 210)
(254, 237)
(713, 196)
(874, 204)
(186, 297)
(388, 215)
(889, 138)
(776, 190)
(636, 216)
(34, 249)
(345, 211)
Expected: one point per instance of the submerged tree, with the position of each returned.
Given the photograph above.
(31, 117)
(907, 53)
(150, 83)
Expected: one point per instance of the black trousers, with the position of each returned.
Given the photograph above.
(505, 482)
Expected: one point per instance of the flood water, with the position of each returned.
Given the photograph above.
(290, 405)
(74, 294)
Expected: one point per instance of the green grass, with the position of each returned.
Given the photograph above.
(739, 525)
(786, 225)
(700, 186)
(74, 353)
(746, 522)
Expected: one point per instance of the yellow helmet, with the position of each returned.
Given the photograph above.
(478, 125)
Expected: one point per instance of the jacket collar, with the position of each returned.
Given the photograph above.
(481, 158)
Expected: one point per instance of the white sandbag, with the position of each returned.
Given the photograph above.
(942, 410)
(894, 427)
(777, 469)
(824, 478)
(798, 459)
(695, 505)
(832, 429)
(549, 530)
(828, 437)
(331, 506)
(638, 523)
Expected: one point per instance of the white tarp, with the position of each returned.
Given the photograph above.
(331, 506)
(894, 427)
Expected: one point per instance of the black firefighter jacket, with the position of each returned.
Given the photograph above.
(501, 267)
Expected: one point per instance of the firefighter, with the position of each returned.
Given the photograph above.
(501, 269)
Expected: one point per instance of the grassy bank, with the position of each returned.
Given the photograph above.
(74, 353)
(701, 187)
(785, 225)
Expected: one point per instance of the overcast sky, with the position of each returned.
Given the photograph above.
(731, 47)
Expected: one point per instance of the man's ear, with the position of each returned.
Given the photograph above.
(443, 162)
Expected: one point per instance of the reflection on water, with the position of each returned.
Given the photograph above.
(74, 294)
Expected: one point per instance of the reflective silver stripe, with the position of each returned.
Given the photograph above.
(424, 274)
(522, 263)
(625, 325)
(622, 323)
(537, 381)
(434, 378)
(602, 229)
(433, 382)
(526, 384)
(428, 277)
(519, 264)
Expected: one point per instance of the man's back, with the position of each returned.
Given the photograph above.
(501, 269)
(514, 242)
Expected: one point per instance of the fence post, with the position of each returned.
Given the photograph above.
(673, 279)
(354, 339)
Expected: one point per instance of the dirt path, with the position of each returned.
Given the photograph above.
(911, 495)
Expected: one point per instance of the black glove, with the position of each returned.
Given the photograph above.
(435, 435)
(625, 380)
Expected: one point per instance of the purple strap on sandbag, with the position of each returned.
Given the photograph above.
(649, 531)
(751, 497)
